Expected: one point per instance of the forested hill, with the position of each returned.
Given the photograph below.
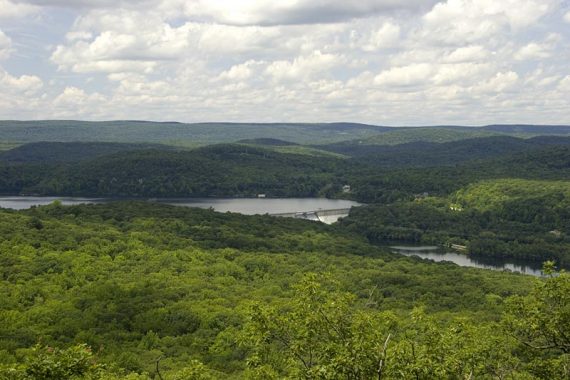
(528, 128)
(218, 170)
(180, 133)
(59, 152)
(423, 153)
(384, 185)
(163, 292)
(192, 134)
(245, 170)
(173, 293)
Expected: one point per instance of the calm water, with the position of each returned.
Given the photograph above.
(20, 203)
(434, 253)
(251, 206)
(248, 206)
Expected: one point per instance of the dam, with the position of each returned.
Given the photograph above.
(325, 216)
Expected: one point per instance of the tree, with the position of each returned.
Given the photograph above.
(321, 334)
(540, 322)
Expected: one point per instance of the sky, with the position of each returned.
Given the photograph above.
(385, 62)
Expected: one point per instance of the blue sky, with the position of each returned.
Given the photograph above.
(390, 62)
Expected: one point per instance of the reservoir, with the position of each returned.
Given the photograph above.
(247, 206)
(294, 207)
(434, 253)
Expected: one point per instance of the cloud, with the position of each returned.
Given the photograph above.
(499, 83)
(304, 67)
(567, 17)
(5, 45)
(23, 85)
(232, 39)
(460, 21)
(252, 12)
(472, 53)
(386, 36)
(532, 50)
(11, 10)
(461, 74)
(241, 72)
(538, 50)
(87, 3)
(269, 12)
(123, 41)
(411, 75)
(460, 61)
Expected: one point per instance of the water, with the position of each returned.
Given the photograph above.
(252, 206)
(21, 203)
(434, 253)
(247, 206)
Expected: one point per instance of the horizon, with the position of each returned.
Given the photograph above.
(284, 123)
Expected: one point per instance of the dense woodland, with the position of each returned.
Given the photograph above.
(136, 290)
(224, 295)
(443, 194)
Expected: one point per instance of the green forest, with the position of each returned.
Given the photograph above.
(109, 291)
(133, 289)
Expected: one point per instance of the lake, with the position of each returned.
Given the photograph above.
(247, 206)
(434, 253)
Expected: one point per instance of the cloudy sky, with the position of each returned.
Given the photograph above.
(390, 62)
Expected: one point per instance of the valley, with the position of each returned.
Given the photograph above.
(96, 252)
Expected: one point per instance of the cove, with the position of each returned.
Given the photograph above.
(436, 254)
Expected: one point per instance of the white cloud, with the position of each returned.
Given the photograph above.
(22, 85)
(386, 36)
(411, 75)
(87, 3)
(232, 39)
(460, 73)
(532, 50)
(11, 10)
(73, 100)
(502, 81)
(127, 41)
(472, 53)
(460, 21)
(5, 45)
(461, 61)
(241, 72)
(564, 84)
(538, 50)
(567, 17)
(304, 67)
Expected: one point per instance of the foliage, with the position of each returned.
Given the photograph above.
(504, 218)
(139, 281)
(49, 363)
(322, 335)
(541, 320)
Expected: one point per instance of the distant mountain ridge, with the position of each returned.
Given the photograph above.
(176, 133)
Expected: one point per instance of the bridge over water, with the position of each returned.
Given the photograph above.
(325, 216)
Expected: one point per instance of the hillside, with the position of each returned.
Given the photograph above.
(405, 135)
(218, 170)
(179, 133)
(58, 152)
(424, 153)
(198, 289)
(501, 218)
(246, 170)
(499, 194)
(178, 293)
(193, 134)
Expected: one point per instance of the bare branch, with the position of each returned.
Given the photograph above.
(382, 357)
